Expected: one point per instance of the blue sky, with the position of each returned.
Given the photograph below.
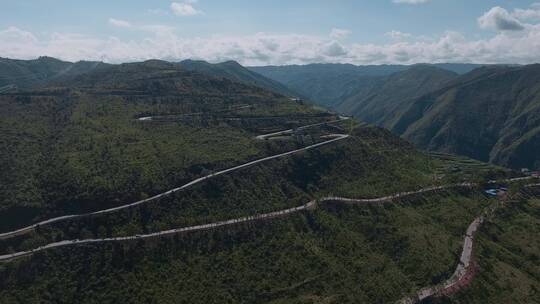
(273, 32)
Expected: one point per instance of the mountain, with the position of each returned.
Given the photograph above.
(25, 74)
(491, 114)
(29, 73)
(234, 71)
(331, 84)
(459, 68)
(326, 84)
(154, 148)
(374, 104)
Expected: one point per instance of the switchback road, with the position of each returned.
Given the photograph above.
(258, 217)
(332, 138)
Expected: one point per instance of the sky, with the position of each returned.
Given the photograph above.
(273, 32)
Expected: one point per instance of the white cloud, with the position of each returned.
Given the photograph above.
(339, 33)
(397, 35)
(411, 1)
(526, 14)
(119, 23)
(532, 13)
(334, 49)
(162, 42)
(500, 19)
(185, 8)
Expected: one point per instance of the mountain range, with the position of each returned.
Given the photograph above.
(489, 113)
(332, 84)
(156, 147)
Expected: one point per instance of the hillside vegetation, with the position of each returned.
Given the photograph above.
(330, 85)
(378, 103)
(122, 133)
(492, 114)
(26, 74)
(232, 70)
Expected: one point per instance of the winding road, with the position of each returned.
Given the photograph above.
(458, 275)
(465, 261)
(422, 294)
(259, 217)
(332, 138)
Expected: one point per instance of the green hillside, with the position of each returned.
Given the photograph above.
(123, 133)
(377, 104)
(234, 71)
(332, 85)
(491, 114)
(26, 74)
(47, 71)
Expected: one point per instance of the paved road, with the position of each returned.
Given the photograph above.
(397, 195)
(461, 270)
(332, 138)
(259, 217)
(464, 265)
(266, 136)
(150, 118)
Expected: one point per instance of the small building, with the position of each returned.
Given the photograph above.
(525, 171)
(535, 174)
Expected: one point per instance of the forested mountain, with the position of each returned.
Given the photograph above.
(29, 73)
(376, 103)
(234, 71)
(26, 74)
(332, 84)
(135, 132)
(491, 114)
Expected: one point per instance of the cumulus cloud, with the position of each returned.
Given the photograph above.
(500, 19)
(185, 8)
(119, 23)
(334, 49)
(339, 33)
(532, 13)
(507, 45)
(411, 1)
